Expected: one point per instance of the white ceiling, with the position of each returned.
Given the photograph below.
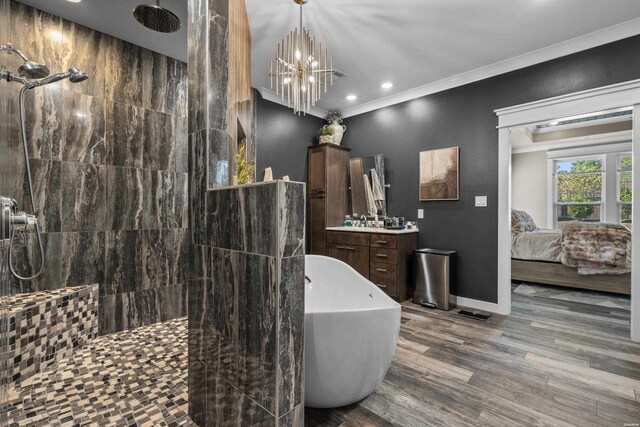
(422, 46)
(115, 17)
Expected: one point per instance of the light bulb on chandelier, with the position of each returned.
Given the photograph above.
(301, 80)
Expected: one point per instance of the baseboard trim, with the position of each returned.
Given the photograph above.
(480, 305)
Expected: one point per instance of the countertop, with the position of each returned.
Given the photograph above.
(372, 230)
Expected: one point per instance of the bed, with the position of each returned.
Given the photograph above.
(583, 255)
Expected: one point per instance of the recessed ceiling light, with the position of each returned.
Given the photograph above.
(386, 85)
(74, 1)
(351, 97)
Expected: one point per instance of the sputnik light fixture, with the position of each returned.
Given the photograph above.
(302, 69)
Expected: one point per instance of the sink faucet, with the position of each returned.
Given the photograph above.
(363, 220)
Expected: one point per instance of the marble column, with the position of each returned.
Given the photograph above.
(246, 294)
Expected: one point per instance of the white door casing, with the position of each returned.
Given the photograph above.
(608, 97)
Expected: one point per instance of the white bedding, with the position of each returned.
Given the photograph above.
(538, 245)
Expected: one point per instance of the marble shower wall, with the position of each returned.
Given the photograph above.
(110, 167)
(246, 299)
(7, 168)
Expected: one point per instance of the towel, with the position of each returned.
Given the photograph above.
(371, 203)
(378, 193)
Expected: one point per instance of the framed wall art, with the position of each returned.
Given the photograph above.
(440, 174)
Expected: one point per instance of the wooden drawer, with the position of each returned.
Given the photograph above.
(383, 255)
(382, 241)
(382, 270)
(387, 285)
(348, 238)
(356, 256)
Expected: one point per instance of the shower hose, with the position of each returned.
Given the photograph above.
(12, 244)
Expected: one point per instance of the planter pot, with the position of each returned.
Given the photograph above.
(338, 132)
(326, 139)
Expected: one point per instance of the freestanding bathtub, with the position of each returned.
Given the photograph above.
(351, 330)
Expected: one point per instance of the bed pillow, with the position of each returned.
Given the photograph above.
(521, 222)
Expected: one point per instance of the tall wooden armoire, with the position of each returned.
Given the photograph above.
(327, 193)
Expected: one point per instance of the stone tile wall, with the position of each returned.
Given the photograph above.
(246, 299)
(246, 308)
(109, 161)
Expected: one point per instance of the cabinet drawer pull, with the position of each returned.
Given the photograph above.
(348, 248)
(382, 242)
(381, 270)
(382, 256)
(381, 286)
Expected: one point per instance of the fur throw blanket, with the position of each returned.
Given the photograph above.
(596, 248)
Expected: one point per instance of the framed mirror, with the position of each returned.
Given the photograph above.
(368, 186)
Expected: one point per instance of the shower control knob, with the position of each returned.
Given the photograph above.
(23, 221)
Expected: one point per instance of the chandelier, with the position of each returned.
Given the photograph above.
(302, 69)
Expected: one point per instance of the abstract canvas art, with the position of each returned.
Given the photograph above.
(439, 174)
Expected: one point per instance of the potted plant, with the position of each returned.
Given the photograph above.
(326, 135)
(335, 121)
(243, 165)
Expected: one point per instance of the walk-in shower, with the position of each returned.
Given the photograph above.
(15, 224)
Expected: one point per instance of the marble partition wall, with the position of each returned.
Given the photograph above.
(246, 297)
(246, 308)
(109, 157)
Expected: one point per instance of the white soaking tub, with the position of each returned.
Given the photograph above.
(351, 330)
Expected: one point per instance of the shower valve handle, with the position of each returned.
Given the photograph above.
(23, 221)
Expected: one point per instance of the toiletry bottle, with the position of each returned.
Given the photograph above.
(347, 221)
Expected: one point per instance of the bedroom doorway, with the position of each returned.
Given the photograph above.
(569, 152)
(571, 183)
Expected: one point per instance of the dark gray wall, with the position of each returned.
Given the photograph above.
(282, 140)
(465, 117)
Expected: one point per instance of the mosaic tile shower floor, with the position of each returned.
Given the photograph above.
(132, 378)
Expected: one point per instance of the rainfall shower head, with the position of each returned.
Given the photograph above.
(157, 18)
(33, 70)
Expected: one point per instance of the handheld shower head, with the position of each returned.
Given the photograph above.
(74, 75)
(77, 76)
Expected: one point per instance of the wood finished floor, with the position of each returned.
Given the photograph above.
(552, 362)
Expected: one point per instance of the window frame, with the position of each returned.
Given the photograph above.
(603, 193)
(619, 172)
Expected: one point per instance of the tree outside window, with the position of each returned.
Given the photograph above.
(579, 190)
(625, 195)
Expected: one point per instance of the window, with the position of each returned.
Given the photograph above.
(579, 185)
(593, 189)
(624, 188)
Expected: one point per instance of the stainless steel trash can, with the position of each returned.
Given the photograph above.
(435, 278)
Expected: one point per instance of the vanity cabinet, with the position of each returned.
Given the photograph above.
(327, 193)
(383, 258)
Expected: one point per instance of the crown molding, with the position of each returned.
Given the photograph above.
(270, 95)
(584, 42)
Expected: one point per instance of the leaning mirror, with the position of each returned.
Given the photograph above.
(368, 186)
